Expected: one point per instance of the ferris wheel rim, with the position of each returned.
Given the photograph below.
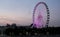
(47, 9)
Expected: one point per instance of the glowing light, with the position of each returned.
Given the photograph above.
(38, 19)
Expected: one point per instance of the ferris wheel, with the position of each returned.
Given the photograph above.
(41, 15)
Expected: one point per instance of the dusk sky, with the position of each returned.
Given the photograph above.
(21, 11)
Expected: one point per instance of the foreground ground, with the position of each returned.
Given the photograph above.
(33, 36)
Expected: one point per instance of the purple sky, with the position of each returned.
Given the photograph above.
(20, 11)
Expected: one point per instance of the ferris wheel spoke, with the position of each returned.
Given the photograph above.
(38, 15)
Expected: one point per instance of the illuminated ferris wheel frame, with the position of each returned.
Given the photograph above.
(47, 9)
